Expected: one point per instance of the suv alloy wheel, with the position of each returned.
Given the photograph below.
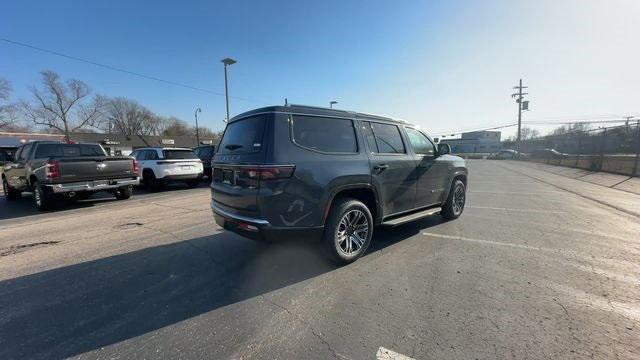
(348, 230)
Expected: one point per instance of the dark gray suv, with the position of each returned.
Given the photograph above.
(310, 172)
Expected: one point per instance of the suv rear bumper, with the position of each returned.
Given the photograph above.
(260, 229)
(98, 185)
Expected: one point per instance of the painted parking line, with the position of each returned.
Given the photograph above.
(488, 242)
(386, 354)
(516, 210)
(515, 192)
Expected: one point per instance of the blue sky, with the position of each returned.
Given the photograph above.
(445, 65)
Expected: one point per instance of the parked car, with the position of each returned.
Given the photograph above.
(508, 154)
(52, 170)
(6, 155)
(314, 172)
(161, 166)
(547, 154)
(205, 153)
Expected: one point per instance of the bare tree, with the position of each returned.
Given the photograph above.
(128, 117)
(529, 133)
(7, 110)
(64, 107)
(172, 126)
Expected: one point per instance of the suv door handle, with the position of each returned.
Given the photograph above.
(381, 167)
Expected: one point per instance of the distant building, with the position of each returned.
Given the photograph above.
(475, 142)
(112, 143)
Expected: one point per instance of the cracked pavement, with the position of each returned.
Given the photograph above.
(528, 271)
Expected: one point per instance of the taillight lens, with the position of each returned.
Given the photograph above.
(134, 166)
(51, 169)
(268, 172)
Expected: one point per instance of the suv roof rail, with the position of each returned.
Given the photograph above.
(381, 117)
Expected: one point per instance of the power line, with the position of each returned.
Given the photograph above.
(113, 68)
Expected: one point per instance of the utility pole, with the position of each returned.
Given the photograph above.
(522, 105)
(197, 130)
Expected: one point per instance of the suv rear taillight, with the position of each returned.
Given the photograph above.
(134, 166)
(268, 172)
(51, 170)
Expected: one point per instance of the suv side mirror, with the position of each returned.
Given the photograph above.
(444, 149)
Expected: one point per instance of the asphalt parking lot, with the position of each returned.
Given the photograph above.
(529, 271)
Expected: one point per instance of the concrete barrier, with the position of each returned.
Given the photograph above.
(615, 164)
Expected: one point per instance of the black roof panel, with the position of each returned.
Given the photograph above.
(314, 110)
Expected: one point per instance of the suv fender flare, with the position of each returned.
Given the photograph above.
(455, 174)
(328, 202)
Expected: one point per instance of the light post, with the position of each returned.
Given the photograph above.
(226, 62)
(331, 103)
(198, 110)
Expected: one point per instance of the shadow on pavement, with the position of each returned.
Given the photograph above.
(79, 308)
(25, 207)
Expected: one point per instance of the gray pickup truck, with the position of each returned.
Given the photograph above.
(54, 170)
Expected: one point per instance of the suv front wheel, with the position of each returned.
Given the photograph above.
(454, 205)
(348, 230)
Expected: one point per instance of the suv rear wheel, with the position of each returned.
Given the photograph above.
(348, 230)
(150, 182)
(454, 205)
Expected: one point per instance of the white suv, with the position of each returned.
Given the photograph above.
(159, 166)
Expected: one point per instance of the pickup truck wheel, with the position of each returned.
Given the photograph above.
(9, 192)
(124, 193)
(41, 199)
(454, 205)
(348, 230)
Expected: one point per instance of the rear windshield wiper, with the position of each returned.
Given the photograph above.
(232, 146)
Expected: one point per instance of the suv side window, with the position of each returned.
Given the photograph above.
(420, 143)
(151, 155)
(388, 138)
(330, 135)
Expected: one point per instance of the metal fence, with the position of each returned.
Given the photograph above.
(613, 149)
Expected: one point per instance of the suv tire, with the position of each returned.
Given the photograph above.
(348, 230)
(193, 183)
(41, 198)
(454, 205)
(124, 193)
(150, 182)
(9, 192)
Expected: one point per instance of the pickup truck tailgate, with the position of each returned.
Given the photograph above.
(94, 168)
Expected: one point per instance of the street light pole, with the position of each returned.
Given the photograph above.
(197, 130)
(331, 103)
(226, 62)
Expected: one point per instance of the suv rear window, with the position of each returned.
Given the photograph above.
(325, 134)
(243, 136)
(178, 154)
(68, 150)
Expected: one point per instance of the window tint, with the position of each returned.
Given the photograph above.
(243, 136)
(420, 143)
(151, 155)
(369, 138)
(325, 134)
(177, 154)
(204, 151)
(388, 138)
(68, 150)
